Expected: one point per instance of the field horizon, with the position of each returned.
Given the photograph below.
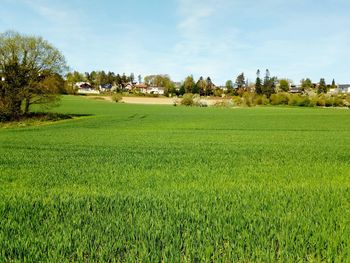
(180, 184)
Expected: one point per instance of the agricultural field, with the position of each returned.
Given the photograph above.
(152, 183)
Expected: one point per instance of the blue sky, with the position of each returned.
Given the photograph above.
(216, 38)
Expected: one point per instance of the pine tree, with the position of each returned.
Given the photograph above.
(334, 86)
(258, 86)
(240, 81)
(267, 79)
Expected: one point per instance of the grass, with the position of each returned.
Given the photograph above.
(161, 183)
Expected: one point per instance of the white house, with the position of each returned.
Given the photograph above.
(155, 90)
(343, 88)
(85, 88)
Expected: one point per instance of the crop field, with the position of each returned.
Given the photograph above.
(148, 183)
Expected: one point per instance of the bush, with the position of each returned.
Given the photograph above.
(279, 99)
(117, 97)
(261, 100)
(338, 102)
(299, 100)
(304, 101)
(248, 99)
(321, 101)
(187, 99)
(313, 101)
(237, 101)
(329, 102)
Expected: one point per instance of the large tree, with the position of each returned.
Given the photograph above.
(189, 84)
(322, 86)
(202, 86)
(30, 69)
(284, 85)
(306, 84)
(269, 85)
(229, 86)
(258, 84)
(240, 81)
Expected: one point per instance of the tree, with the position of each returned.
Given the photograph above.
(306, 84)
(189, 84)
(240, 81)
(124, 79)
(229, 86)
(210, 87)
(201, 86)
(119, 81)
(334, 86)
(139, 79)
(132, 77)
(158, 80)
(268, 87)
(284, 85)
(29, 66)
(322, 86)
(258, 84)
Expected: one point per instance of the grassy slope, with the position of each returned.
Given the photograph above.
(174, 183)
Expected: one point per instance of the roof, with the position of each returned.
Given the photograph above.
(141, 85)
(106, 86)
(344, 86)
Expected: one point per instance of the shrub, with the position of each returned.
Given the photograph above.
(248, 99)
(117, 97)
(279, 99)
(261, 100)
(329, 102)
(313, 101)
(187, 99)
(304, 101)
(237, 101)
(299, 100)
(338, 102)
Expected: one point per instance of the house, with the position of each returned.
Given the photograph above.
(85, 88)
(295, 89)
(142, 87)
(343, 88)
(155, 90)
(106, 87)
(128, 87)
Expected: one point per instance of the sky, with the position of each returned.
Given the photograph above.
(294, 39)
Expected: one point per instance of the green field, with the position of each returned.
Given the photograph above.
(176, 184)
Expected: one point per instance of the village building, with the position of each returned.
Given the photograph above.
(85, 88)
(343, 88)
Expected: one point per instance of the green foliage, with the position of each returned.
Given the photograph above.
(229, 86)
(322, 87)
(269, 85)
(240, 81)
(142, 183)
(189, 84)
(187, 99)
(299, 100)
(258, 83)
(284, 85)
(280, 99)
(117, 97)
(306, 84)
(30, 73)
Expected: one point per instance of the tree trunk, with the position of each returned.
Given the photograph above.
(26, 106)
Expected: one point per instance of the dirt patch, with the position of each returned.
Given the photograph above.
(154, 101)
(147, 100)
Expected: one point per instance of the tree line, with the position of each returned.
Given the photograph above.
(32, 71)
